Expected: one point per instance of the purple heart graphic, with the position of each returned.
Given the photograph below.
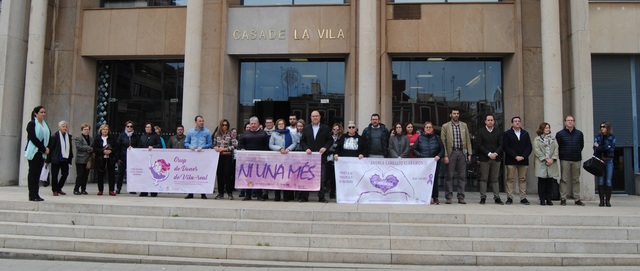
(384, 184)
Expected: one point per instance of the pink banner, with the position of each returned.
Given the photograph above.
(272, 170)
(171, 170)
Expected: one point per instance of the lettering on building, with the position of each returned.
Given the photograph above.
(281, 34)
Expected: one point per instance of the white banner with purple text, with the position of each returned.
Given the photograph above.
(171, 170)
(273, 170)
(384, 180)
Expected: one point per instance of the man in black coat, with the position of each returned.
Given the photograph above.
(126, 140)
(489, 147)
(517, 148)
(316, 137)
(570, 145)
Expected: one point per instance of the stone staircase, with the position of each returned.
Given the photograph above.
(257, 235)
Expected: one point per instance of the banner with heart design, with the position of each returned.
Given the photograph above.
(384, 180)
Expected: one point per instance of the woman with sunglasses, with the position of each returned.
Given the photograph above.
(222, 144)
(429, 145)
(126, 140)
(604, 147)
(351, 144)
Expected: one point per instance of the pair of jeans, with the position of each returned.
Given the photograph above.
(605, 179)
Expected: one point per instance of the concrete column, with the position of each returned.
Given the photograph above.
(368, 85)
(551, 63)
(33, 76)
(13, 52)
(582, 92)
(192, 63)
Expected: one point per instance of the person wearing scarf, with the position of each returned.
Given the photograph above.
(38, 135)
(61, 156)
(223, 145)
(545, 149)
(282, 141)
(84, 151)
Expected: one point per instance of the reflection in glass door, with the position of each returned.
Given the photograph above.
(277, 88)
(426, 89)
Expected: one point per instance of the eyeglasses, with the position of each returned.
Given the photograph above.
(129, 126)
(336, 129)
(352, 127)
(570, 120)
(603, 126)
(516, 120)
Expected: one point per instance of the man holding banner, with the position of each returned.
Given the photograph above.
(254, 139)
(316, 137)
(198, 138)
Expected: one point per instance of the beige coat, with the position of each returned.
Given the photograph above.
(540, 166)
(447, 138)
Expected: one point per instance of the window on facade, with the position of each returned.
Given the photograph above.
(426, 90)
(290, 2)
(445, 1)
(140, 3)
(141, 91)
(278, 88)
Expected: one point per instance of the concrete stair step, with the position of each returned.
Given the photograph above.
(261, 256)
(348, 215)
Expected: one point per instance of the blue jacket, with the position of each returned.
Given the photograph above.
(606, 146)
(570, 144)
(428, 146)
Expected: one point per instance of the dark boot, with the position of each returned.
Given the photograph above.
(601, 193)
(608, 196)
(549, 190)
(276, 196)
(541, 191)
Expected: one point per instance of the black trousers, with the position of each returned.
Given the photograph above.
(110, 172)
(544, 188)
(33, 177)
(122, 171)
(56, 185)
(436, 190)
(305, 194)
(82, 175)
(225, 174)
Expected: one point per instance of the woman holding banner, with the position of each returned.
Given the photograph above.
(429, 145)
(351, 144)
(283, 141)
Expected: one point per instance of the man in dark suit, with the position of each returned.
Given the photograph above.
(316, 137)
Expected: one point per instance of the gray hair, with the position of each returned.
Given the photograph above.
(62, 122)
(254, 118)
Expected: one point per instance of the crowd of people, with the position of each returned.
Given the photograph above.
(554, 157)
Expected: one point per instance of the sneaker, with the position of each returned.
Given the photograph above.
(563, 202)
(483, 200)
(461, 201)
(436, 201)
(509, 201)
(448, 201)
(498, 201)
(579, 202)
(524, 201)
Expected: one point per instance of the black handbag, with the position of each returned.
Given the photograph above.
(594, 166)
